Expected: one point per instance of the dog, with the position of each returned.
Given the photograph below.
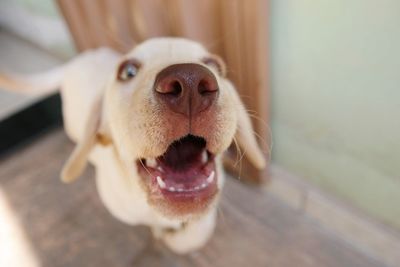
(154, 122)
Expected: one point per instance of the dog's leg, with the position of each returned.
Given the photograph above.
(192, 236)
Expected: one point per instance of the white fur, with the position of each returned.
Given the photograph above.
(95, 103)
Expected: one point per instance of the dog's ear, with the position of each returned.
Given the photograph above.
(97, 67)
(77, 162)
(245, 136)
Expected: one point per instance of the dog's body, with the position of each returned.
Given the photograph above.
(126, 118)
(122, 195)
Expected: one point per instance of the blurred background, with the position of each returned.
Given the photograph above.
(324, 75)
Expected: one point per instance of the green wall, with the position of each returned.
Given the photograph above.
(336, 98)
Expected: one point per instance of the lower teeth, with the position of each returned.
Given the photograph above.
(163, 185)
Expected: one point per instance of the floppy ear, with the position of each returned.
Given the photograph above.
(246, 138)
(77, 162)
(89, 72)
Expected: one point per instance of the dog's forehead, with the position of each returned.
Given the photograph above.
(170, 49)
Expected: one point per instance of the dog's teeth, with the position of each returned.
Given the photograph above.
(180, 189)
(152, 163)
(203, 185)
(160, 169)
(196, 188)
(204, 157)
(210, 178)
(160, 182)
(172, 189)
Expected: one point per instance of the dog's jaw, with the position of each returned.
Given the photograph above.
(183, 182)
(125, 194)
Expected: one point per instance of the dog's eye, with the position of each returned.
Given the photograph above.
(128, 69)
(216, 63)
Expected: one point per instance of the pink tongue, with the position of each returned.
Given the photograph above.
(182, 165)
(188, 178)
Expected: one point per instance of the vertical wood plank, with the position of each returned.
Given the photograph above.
(93, 10)
(117, 20)
(199, 20)
(150, 18)
(230, 32)
(263, 78)
(76, 23)
(246, 52)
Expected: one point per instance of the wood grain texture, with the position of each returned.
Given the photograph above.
(68, 226)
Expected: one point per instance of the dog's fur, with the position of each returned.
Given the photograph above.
(116, 123)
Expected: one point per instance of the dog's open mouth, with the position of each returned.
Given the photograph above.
(185, 172)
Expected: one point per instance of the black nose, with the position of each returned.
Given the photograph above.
(187, 89)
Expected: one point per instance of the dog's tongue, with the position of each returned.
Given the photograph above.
(184, 154)
(186, 169)
(184, 164)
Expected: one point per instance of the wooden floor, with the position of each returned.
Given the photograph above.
(67, 225)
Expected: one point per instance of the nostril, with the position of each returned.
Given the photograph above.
(206, 87)
(173, 88)
(176, 88)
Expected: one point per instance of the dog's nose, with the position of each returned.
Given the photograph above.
(187, 88)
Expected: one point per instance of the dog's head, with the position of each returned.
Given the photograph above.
(170, 112)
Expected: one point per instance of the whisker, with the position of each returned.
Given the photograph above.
(267, 145)
(267, 141)
(237, 149)
(240, 155)
(144, 166)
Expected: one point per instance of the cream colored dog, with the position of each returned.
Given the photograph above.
(154, 123)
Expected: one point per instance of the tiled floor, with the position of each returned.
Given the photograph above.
(66, 225)
(340, 217)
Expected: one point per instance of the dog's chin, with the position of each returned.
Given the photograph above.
(181, 183)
